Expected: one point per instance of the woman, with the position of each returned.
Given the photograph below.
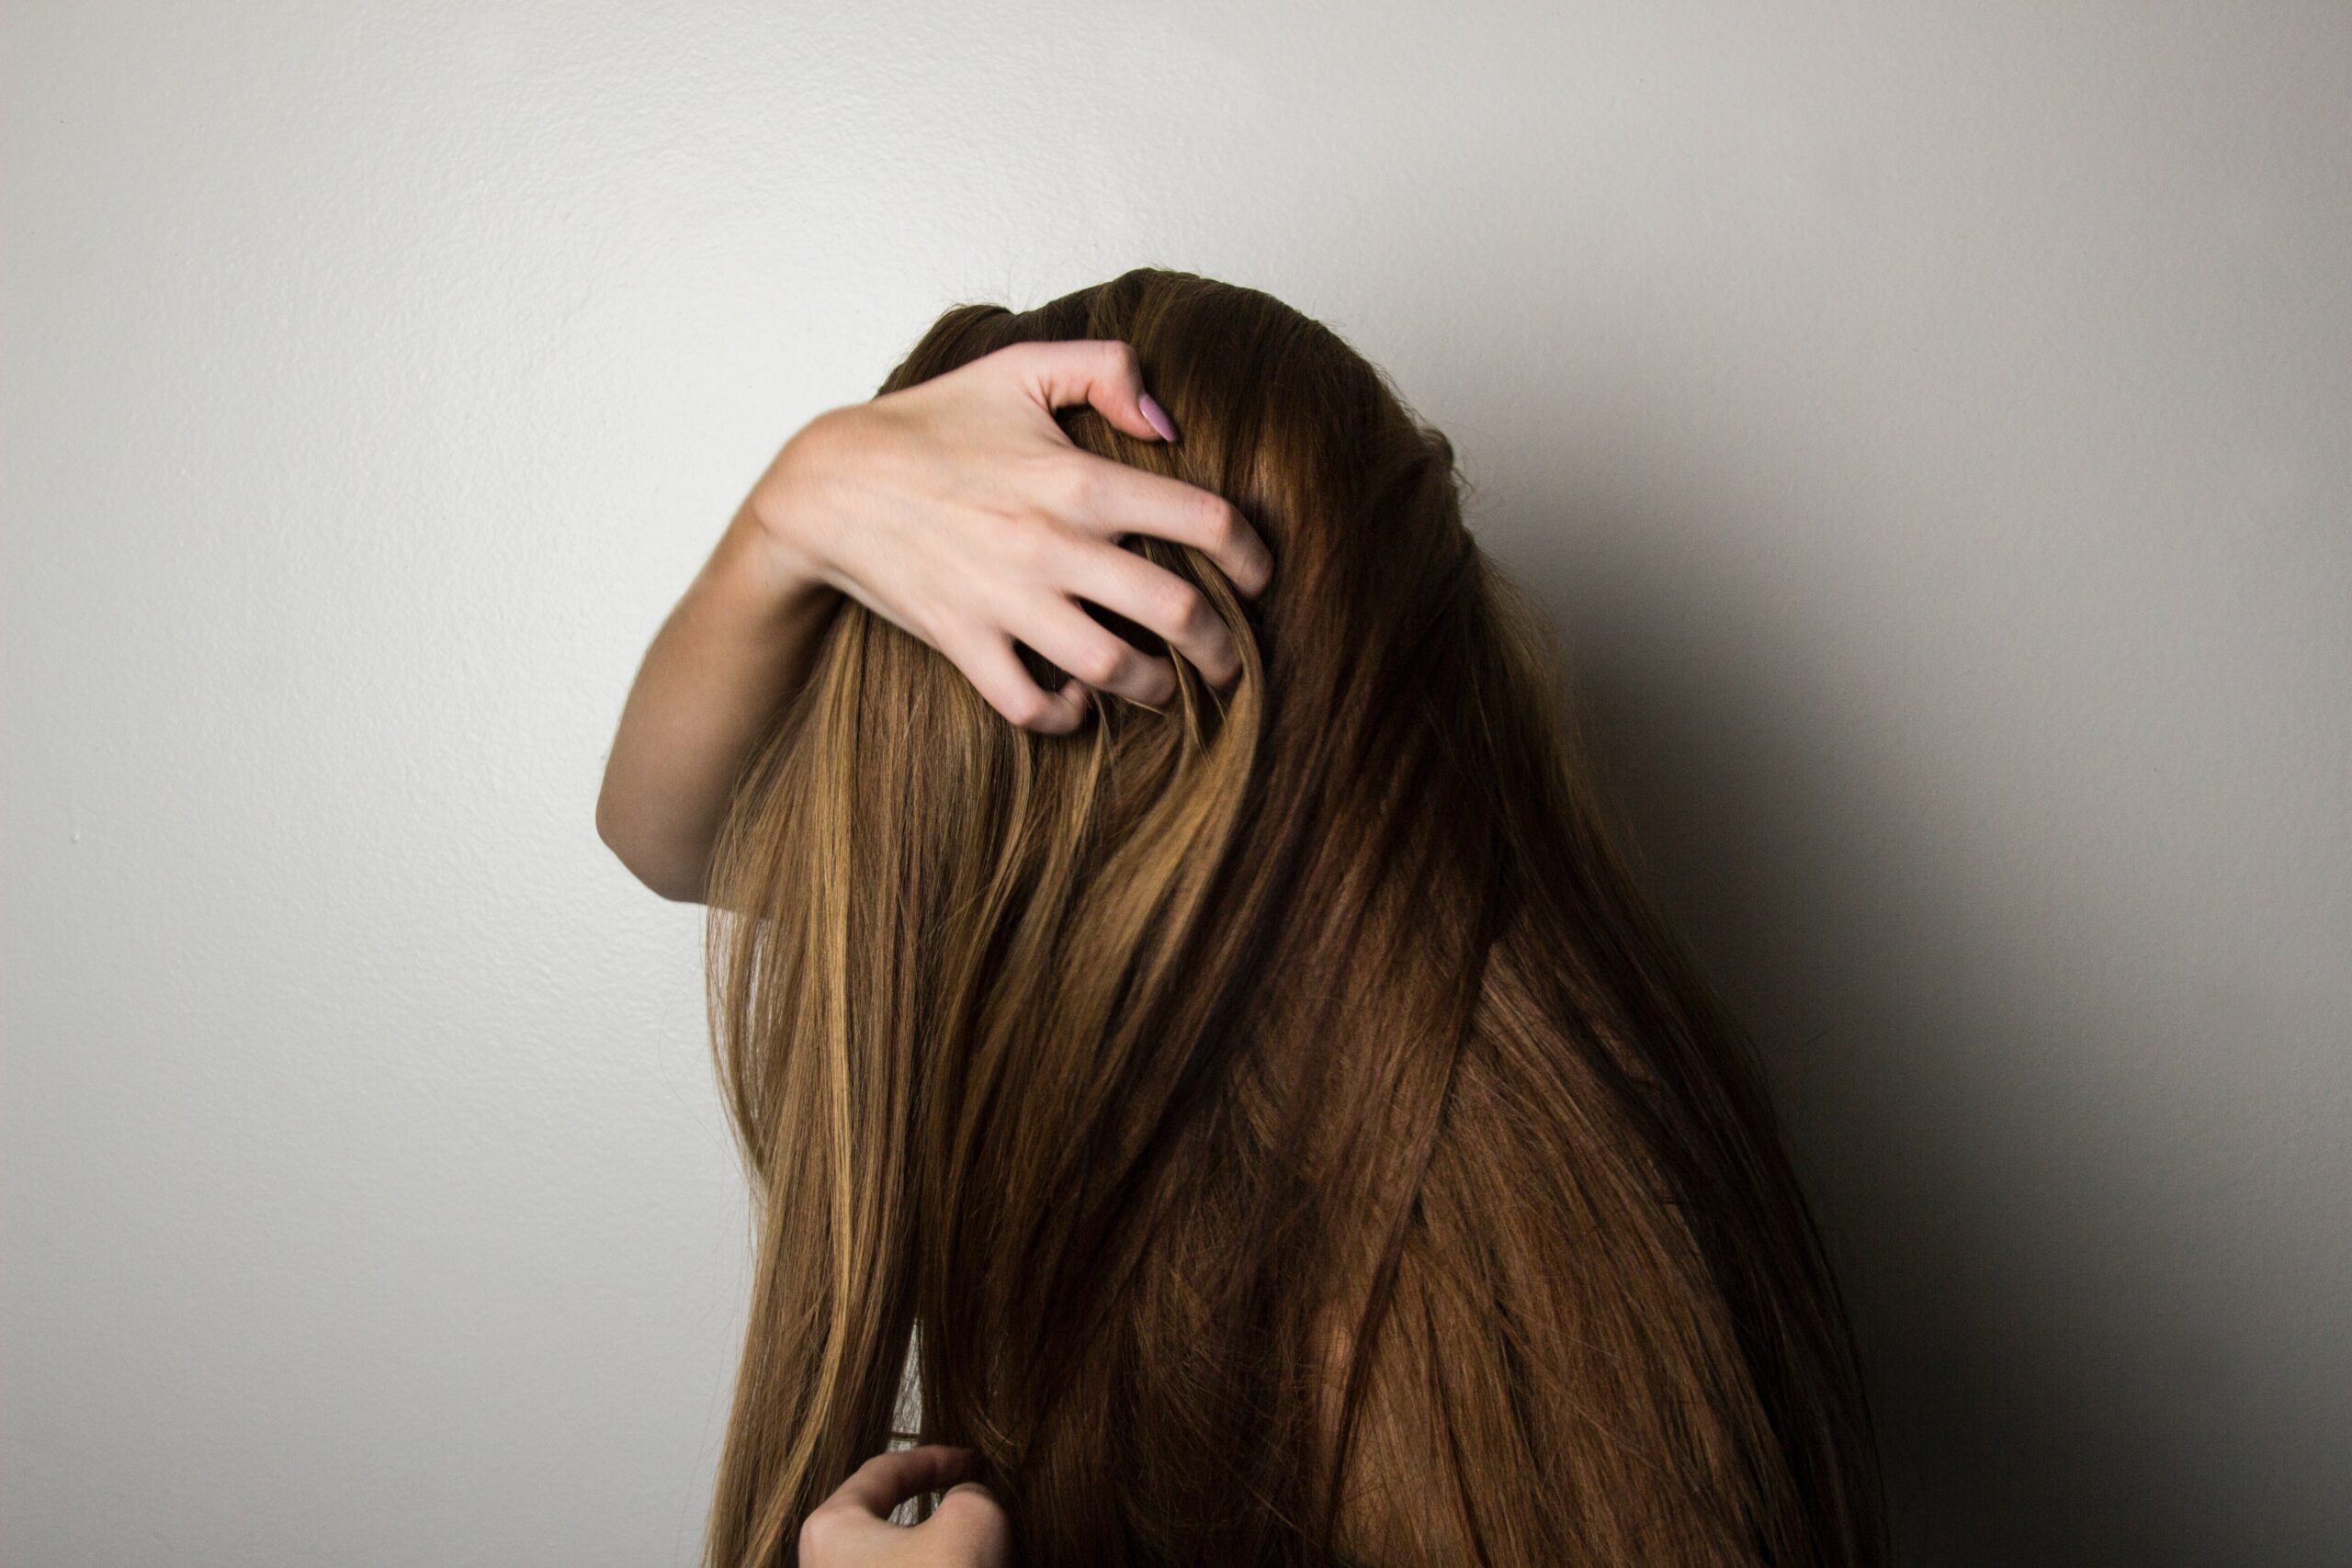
(1247, 1087)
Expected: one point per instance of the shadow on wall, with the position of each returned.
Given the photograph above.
(1958, 1089)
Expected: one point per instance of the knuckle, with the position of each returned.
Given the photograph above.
(1101, 664)
(1077, 485)
(1181, 608)
(1026, 707)
(1125, 361)
(1223, 527)
(1016, 356)
(973, 1517)
(818, 1533)
(1053, 485)
(1025, 540)
(962, 1502)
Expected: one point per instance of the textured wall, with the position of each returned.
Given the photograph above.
(1931, 429)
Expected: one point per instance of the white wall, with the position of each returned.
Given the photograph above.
(1931, 429)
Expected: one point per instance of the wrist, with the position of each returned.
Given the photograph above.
(757, 560)
(785, 508)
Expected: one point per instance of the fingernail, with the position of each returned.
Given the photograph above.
(1157, 416)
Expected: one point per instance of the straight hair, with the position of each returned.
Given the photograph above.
(1277, 1129)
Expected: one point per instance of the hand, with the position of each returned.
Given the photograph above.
(852, 1529)
(957, 509)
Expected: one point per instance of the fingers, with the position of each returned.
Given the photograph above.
(1154, 597)
(996, 672)
(887, 1480)
(1101, 371)
(853, 1526)
(1058, 628)
(973, 1524)
(1115, 499)
(1111, 497)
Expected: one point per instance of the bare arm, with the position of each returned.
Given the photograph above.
(738, 644)
(957, 509)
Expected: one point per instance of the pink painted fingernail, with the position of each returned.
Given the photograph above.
(1157, 416)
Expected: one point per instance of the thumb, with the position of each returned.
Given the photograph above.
(1103, 372)
(969, 1517)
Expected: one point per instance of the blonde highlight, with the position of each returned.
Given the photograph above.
(1277, 1127)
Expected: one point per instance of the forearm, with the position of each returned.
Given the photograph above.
(739, 644)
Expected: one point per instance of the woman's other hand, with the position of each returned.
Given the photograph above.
(958, 509)
(852, 1529)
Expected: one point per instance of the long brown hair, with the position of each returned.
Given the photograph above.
(1278, 1125)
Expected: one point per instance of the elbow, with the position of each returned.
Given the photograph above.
(669, 876)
